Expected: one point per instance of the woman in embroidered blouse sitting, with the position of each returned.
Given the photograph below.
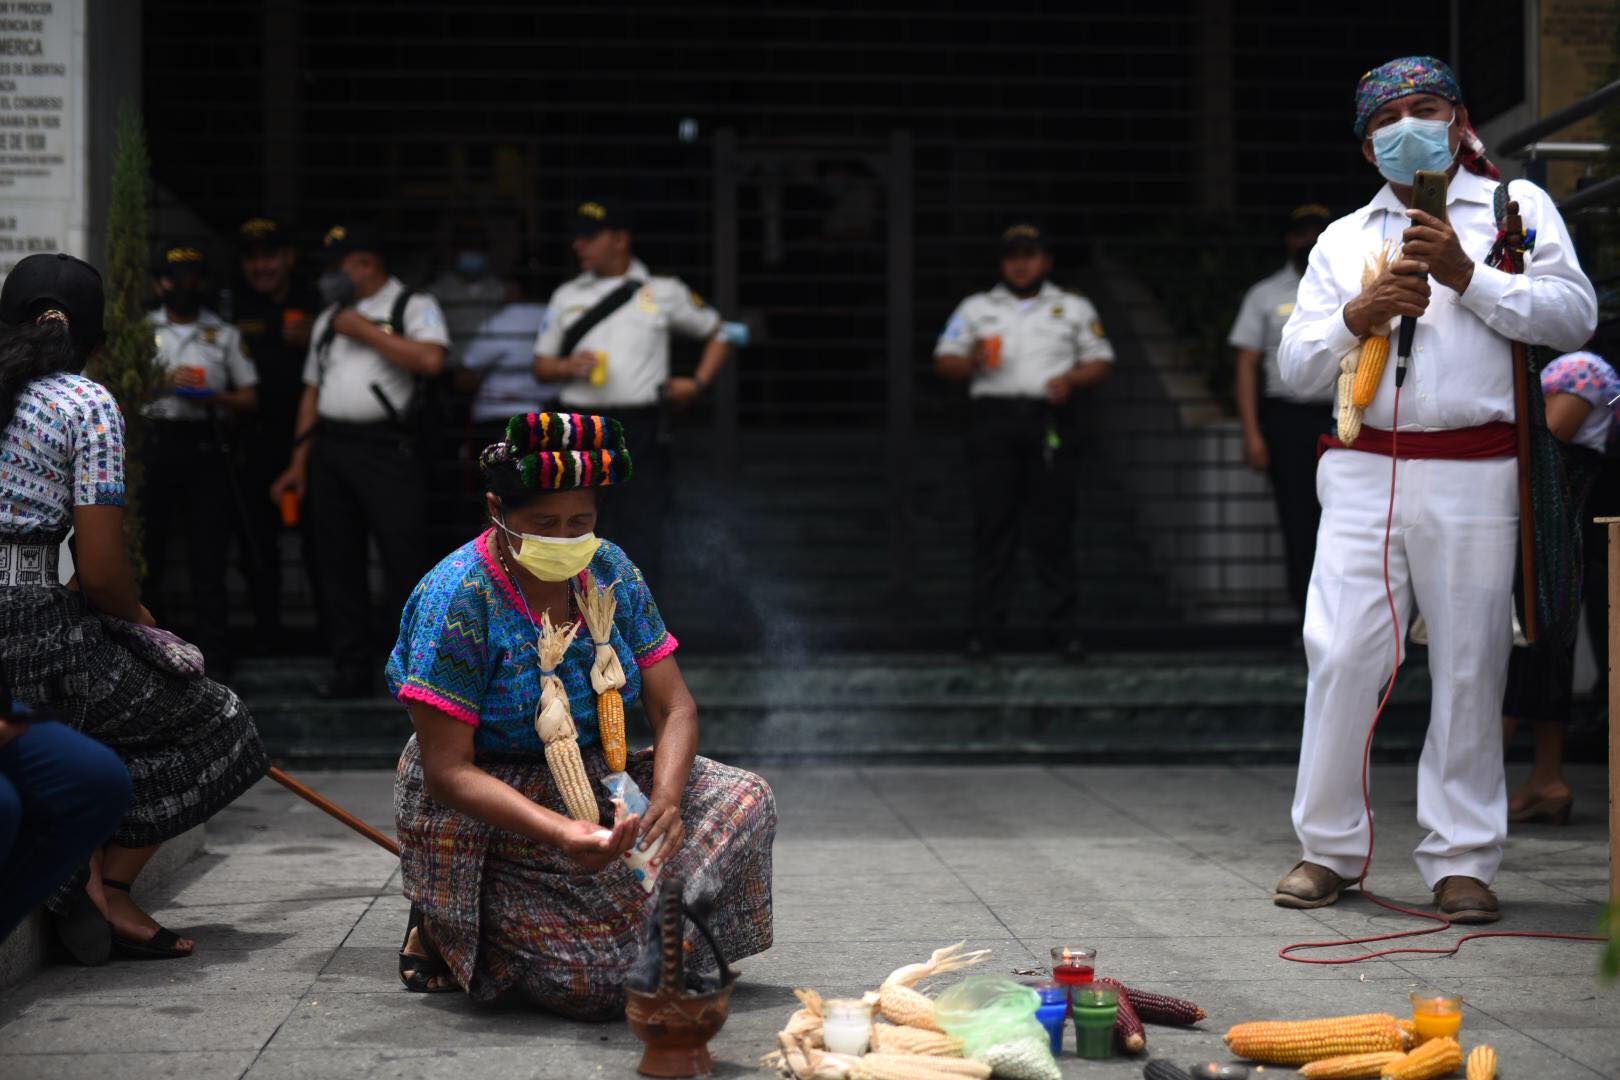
(522, 875)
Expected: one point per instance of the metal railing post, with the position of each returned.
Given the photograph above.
(900, 270)
(726, 300)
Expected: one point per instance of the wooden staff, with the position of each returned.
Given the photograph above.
(320, 802)
(1513, 226)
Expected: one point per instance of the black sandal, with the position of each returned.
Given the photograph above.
(160, 946)
(418, 972)
(83, 930)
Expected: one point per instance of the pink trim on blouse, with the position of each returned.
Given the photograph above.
(412, 692)
(667, 648)
(486, 548)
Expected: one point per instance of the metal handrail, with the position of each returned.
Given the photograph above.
(1559, 120)
(1602, 191)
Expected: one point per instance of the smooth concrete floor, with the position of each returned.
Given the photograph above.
(1167, 871)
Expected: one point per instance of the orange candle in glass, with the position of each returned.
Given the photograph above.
(1436, 1015)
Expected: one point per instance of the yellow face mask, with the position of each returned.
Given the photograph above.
(552, 558)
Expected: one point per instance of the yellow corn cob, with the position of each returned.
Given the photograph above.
(1296, 1042)
(568, 771)
(1350, 1066)
(1482, 1063)
(1408, 1032)
(916, 1067)
(900, 1004)
(1435, 1058)
(1370, 369)
(610, 722)
(898, 1039)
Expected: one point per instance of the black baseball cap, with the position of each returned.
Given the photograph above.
(1309, 216)
(1024, 236)
(45, 281)
(262, 234)
(591, 218)
(345, 239)
(181, 259)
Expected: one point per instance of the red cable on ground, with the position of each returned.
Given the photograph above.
(1442, 922)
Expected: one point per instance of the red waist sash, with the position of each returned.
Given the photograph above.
(1498, 439)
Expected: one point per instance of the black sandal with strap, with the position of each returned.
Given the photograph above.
(162, 945)
(418, 972)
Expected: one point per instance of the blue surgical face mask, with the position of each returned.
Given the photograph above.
(472, 264)
(1409, 146)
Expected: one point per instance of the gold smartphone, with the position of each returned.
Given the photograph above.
(1429, 193)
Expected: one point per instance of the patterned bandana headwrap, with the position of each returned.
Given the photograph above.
(1419, 75)
(562, 451)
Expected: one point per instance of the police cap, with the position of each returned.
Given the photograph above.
(262, 234)
(350, 237)
(1309, 216)
(591, 218)
(45, 281)
(1024, 236)
(181, 259)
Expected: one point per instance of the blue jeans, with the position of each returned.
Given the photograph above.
(61, 795)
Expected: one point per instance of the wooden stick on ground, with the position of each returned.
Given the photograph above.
(320, 802)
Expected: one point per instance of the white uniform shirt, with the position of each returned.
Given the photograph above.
(503, 349)
(209, 343)
(1460, 373)
(635, 337)
(347, 370)
(1259, 327)
(1041, 338)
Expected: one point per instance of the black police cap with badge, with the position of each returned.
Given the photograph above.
(182, 260)
(262, 234)
(591, 218)
(47, 282)
(1024, 236)
(352, 237)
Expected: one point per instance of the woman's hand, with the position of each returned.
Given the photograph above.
(594, 847)
(663, 819)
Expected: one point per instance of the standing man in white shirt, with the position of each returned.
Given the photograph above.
(355, 448)
(1028, 350)
(190, 484)
(1454, 537)
(606, 341)
(1280, 428)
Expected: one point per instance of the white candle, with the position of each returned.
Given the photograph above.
(846, 1026)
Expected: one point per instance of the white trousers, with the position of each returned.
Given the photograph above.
(1454, 546)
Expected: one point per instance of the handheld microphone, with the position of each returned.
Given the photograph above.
(1428, 195)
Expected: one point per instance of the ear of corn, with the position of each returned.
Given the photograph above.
(1434, 1059)
(1162, 1009)
(1370, 370)
(568, 772)
(1350, 1066)
(610, 724)
(900, 1004)
(1296, 1042)
(1482, 1063)
(898, 1039)
(1160, 1069)
(1349, 415)
(1128, 1031)
(1408, 1033)
(915, 1067)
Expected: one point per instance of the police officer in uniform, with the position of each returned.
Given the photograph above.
(619, 365)
(354, 447)
(191, 488)
(1028, 349)
(273, 309)
(1280, 426)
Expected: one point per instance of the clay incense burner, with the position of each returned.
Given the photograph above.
(674, 1022)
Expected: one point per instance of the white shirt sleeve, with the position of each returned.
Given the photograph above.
(1552, 303)
(238, 367)
(1315, 337)
(549, 339)
(1249, 328)
(424, 320)
(958, 338)
(1090, 342)
(688, 314)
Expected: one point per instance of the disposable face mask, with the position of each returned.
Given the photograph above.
(1409, 146)
(472, 264)
(553, 558)
(336, 288)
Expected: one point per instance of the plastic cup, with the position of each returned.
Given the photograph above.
(1073, 965)
(992, 352)
(1436, 1015)
(1095, 1010)
(289, 508)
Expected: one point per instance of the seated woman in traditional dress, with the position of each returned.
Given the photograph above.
(513, 882)
(189, 745)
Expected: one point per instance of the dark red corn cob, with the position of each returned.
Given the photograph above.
(1160, 1009)
(1128, 1031)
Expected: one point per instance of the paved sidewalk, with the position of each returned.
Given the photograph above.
(1167, 871)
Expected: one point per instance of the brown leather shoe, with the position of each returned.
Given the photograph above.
(1309, 885)
(1466, 900)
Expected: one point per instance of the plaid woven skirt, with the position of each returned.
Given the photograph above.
(189, 744)
(509, 914)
